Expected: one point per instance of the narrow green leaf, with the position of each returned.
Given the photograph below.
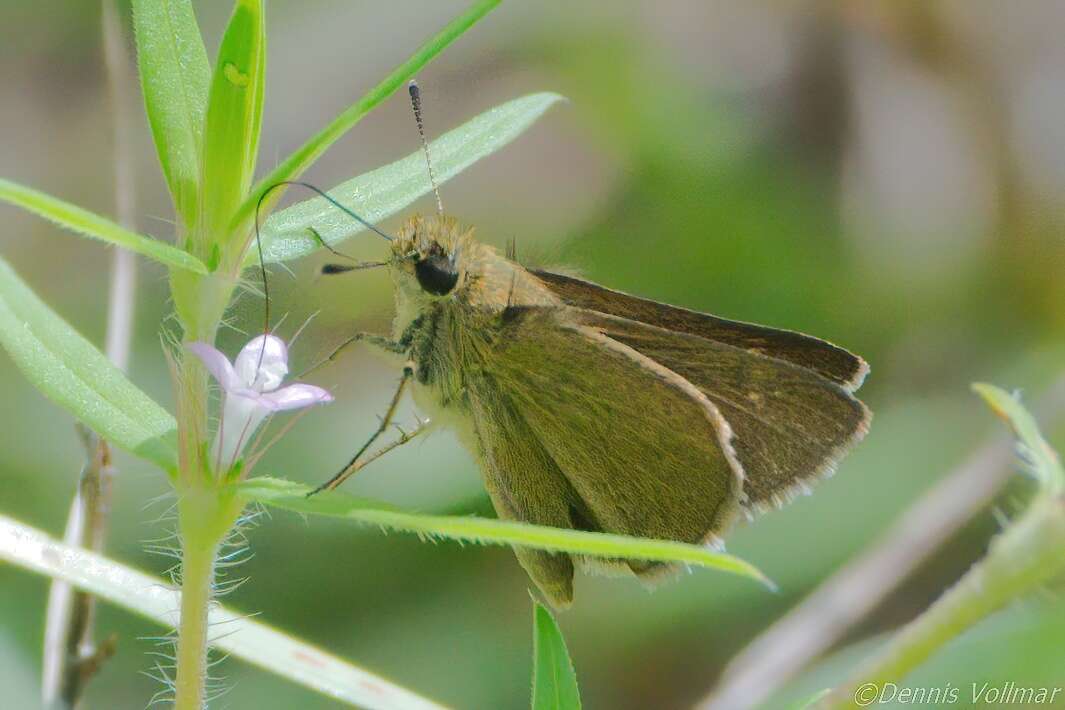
(810, 702)
(293, 496)
(74, 374)
(383, 192)
(294, 165)
(1045, 461)
(175, 76)
(252, 641)
(554, 682)
(234, 117)
(93, 225)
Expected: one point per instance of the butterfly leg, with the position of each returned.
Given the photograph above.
(354, 465)
(404, 437)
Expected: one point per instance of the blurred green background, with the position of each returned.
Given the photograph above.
(887, 175)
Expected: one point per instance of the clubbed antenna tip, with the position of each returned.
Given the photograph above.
(416, 104)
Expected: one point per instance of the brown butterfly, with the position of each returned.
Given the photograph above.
(591, 409)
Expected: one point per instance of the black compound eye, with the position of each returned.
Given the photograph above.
(436, 273)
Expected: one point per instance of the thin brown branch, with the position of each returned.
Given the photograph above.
(71, 655)
(830, 611)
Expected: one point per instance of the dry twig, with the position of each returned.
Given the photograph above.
(71, 655)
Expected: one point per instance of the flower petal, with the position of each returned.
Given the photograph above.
(242, 414)
(263, 363)
(294, 396)
(217, 364)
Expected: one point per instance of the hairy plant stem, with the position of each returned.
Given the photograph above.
(200, 302)
(207, 509)
(205, 515)
(197, 577)
(206, 512)
(1028, 554)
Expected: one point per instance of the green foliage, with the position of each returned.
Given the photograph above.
(93, 225)
(294, 165)
(234, 118)
(1023, 558)
(1021, 645)
(73, 373)
(554, 681)
(811, 702)
(175, 76)
(1046, 465)
(383, 192)
(249, 640)
(293, 496)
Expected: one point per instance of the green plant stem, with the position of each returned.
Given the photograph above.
(200, 302)
(1026, 555)
(205, 515)
(197, 578)
(207, 511)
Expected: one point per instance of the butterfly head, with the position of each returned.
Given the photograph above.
(430, 250)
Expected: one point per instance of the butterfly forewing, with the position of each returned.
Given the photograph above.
(647, 453)
(829, 361)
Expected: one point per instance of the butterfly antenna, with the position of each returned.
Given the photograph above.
(416, 104)
(266, 283)
(259, 244)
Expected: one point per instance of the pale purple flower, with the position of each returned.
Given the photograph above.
(252, 390)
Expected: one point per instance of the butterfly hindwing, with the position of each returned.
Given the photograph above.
(524, 484)
(790, 424)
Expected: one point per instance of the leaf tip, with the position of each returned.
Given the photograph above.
(995, 398)
(758, 575)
